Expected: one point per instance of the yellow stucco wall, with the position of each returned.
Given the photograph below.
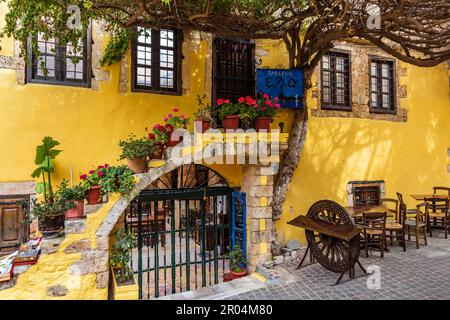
(411, 157)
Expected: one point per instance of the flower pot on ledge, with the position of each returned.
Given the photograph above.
(94, 196)
(231, 122)
(77, 212)
(263, 123)
(52, 226)
(202, 125)
(159, 153)
(137, 165)
(126, 291)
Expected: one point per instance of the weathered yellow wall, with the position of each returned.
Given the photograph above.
(411, 157)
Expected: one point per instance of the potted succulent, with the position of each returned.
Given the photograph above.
(124, 284)
(92, 184)
(174, 121)
(75, 196)
(204, 114)
(136, 152)
(266, 110)
(237, 263)
(160, 138)
(49, 211)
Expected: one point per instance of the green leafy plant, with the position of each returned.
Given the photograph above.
(159, 135)
(237, 261)
(76, 193)
(93, 178)
(267, 107)
(117, 179)
(117, 46)
(226, 108)
(120, 257)
(205, 110)
(175, 121)
(135, 148)
(45, 155)
(43, 209)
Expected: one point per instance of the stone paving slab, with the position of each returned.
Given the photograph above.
(422, 274)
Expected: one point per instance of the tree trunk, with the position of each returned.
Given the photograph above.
(288, 166)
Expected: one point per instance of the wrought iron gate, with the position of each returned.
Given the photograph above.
(183, 235)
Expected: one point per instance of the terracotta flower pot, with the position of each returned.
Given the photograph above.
(52, 226)
(174, 140)
(231, 122)
(77, 212)
(159, 153)
(137, 165)
(237, 275)
(94, 196)
(202, 125)
(263, 123)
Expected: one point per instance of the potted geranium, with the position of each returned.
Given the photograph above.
(117, 179)
(124, 285)
(50, 209)
(229, 112)
(136, 152)
(204, 114)
(92, 184)
(266, 110)
(248, 111)
(74, 196)
(237, 263)
(160, 138)
(174, 121)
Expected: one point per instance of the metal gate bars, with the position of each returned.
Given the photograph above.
(183, 237)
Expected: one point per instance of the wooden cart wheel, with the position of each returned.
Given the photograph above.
(333, 254)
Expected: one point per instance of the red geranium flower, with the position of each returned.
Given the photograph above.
(100, 173)
(278, 106)
(106, 166)
(227, 101)
(266, 96)
(83, 177)
(169, 127)
(175, 110)
(241, 100)
(220, 102)
(101, 167)
(151, 136)
(91, 172)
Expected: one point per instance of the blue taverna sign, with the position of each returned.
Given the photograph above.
(286, 84)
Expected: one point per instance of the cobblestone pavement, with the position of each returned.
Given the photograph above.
(412, 275)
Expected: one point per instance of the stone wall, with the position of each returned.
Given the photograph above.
(360, 54)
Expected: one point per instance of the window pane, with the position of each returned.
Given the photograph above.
(326, 95)
(144, 55)
(145, 35)
(326, 62)
(385, 71)
(340, 64)
(374, 69)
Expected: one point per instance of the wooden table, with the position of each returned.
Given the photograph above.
(358, 212)
(422, 197)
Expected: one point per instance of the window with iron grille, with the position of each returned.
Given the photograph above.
(157, 61)
(382, 86)
(367, 196)
(234, 69)
(336, 81)
(60, 64)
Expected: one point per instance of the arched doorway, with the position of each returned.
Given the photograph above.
(183, 225)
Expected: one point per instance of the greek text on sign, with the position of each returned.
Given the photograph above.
(284, 84)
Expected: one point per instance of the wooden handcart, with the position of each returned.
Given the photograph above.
(333, 239)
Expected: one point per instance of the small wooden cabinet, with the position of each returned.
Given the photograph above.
(13, 230)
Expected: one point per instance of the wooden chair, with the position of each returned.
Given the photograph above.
(396, 224)
(374, 229)
(438, 215)
(409, 213)
(418, 223)
(437, 190)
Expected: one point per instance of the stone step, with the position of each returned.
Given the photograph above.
(75, 226)
(88, 209)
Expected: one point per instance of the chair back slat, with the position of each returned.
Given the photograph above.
(438, 205)
(375, 220)
(444, 190)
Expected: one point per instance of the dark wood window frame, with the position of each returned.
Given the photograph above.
(155, 58)
(334, 105)
(379, 77)
(60, 65)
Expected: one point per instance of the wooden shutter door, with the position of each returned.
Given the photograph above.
(11, 226)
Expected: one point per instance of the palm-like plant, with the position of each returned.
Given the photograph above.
(45, 156)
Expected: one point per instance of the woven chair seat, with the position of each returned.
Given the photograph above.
(393, 226)
(374, 232)
(412, 223)
(439, 215)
